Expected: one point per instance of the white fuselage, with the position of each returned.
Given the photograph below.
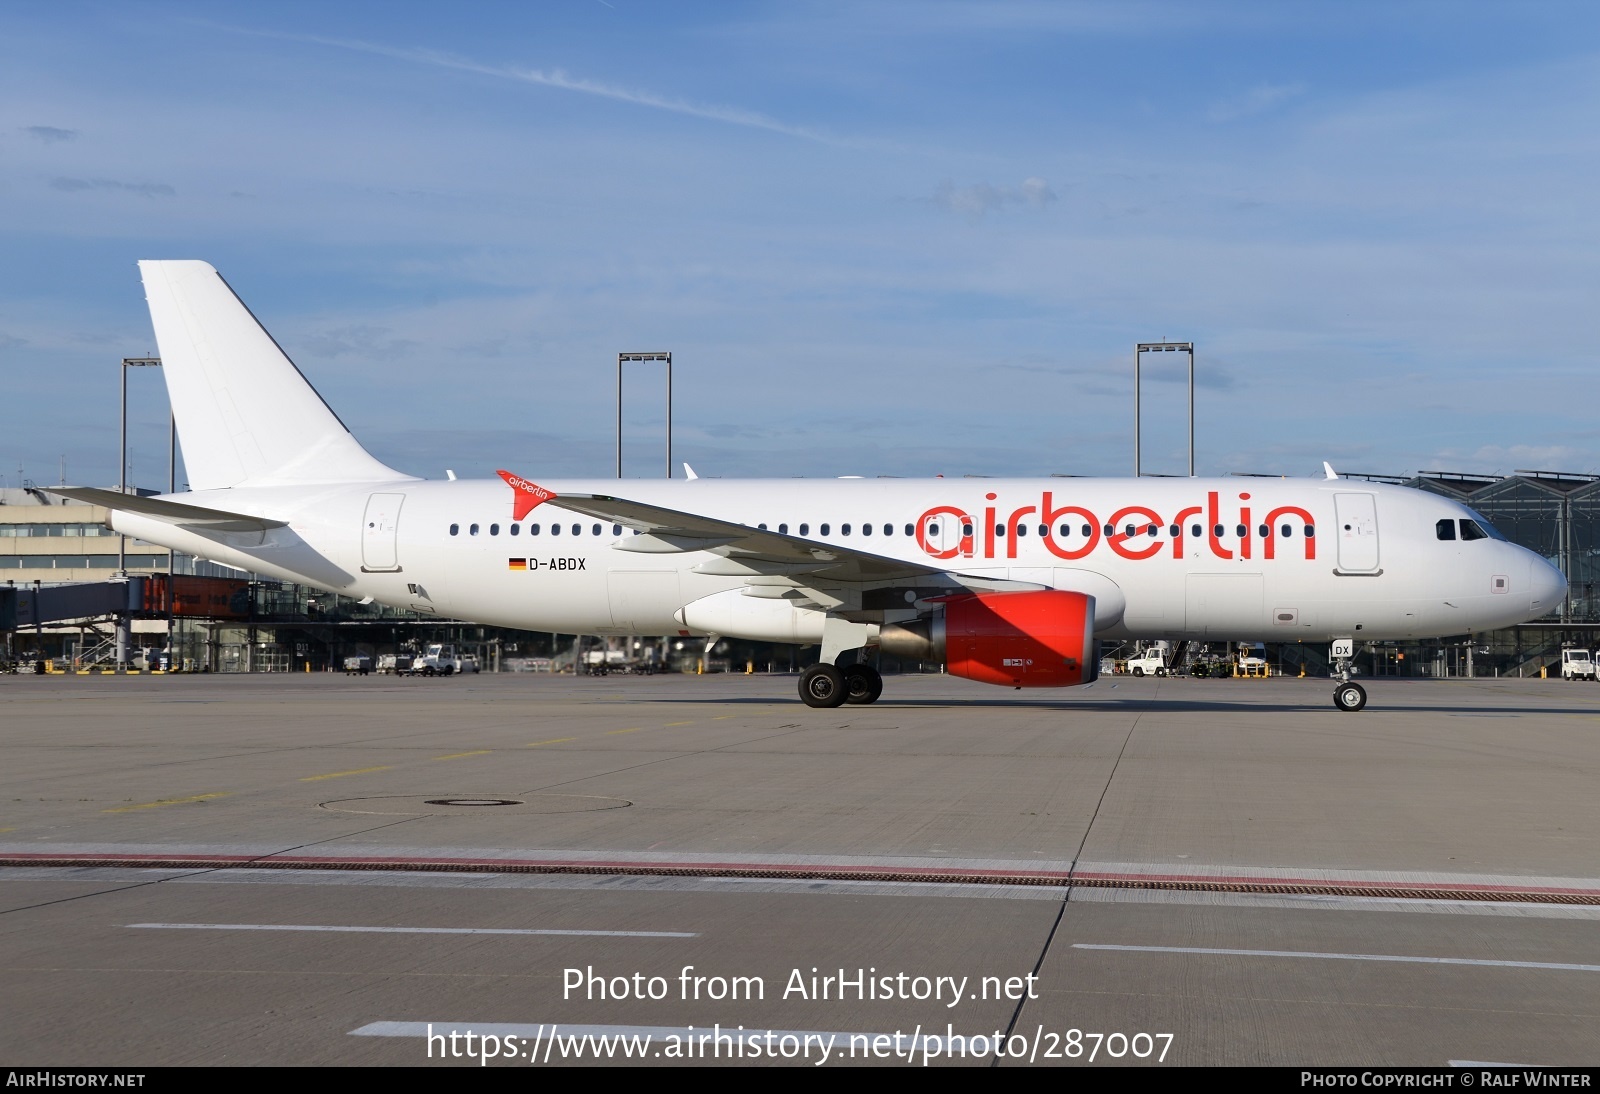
(1267, 560)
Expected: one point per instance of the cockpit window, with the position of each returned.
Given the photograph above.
(1445, 529)
(1471, 529)
(1483, 525)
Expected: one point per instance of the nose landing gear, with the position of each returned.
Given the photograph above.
(1349, 695)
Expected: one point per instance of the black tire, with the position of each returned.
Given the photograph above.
(862, 685)
(1350, 696)
(822, 686)
(1138, 670)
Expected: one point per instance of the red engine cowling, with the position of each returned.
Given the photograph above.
(1041, 639)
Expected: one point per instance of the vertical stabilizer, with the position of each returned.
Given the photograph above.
(246, 416)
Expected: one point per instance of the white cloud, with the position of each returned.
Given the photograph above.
(143, 189)
(981, 197)
(1257, 100)
(49, 134)
(558, 78)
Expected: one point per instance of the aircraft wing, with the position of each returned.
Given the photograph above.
(757, 552)
(195, 518)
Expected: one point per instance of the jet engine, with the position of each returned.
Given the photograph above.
(1042, 639)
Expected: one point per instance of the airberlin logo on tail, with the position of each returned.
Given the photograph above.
(1134, 531)
(527, 494)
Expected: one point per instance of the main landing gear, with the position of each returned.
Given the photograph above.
(827, 686)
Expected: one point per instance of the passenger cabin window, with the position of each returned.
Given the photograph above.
(966, 529)
(515, 529)
(1173, 530)
(455, 529)
(555, 529)
(1022, 529)
(1194, 529)
(844, 529)
(1087, 531)
(805, 529)
(888, 529)
(595, 530)
(911, 530)
(577, 529)
(1065, 531)
(783, 529)
(1471, 529)
(616, 529)
(1445, 529)
(1217, 530)
(1000, 532)
(823, 529)
(866, 530)
(472, 530)
(494, 529)
(533, 529)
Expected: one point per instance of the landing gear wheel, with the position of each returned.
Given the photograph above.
(1350, 696)
(822, 686)
(862, 685)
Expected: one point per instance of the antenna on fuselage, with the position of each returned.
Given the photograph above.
(1328, 469)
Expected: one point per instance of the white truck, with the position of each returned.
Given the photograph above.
(1577, 665)
(439, 660)
(1151, 662)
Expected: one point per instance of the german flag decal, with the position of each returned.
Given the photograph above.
(518, 563)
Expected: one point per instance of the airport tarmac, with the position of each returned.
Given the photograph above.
(319, 869)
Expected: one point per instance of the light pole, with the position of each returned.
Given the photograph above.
(122, 466)
(1162, 347)
(123, 626)
(657, 356)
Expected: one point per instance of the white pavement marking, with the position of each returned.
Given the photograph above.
(1556, 965)
(408, 930)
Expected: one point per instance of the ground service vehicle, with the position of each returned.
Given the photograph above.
(1577, 665)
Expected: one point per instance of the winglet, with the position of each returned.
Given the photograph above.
(528, 494)
(688, 472)
(1328, 470)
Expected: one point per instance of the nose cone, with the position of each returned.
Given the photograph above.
(1547, 587)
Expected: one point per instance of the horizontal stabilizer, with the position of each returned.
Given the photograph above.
(193, 517)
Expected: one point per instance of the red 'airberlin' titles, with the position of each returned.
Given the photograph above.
(1133, 532)
(527, 494)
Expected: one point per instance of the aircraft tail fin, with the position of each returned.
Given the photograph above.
(246, 415)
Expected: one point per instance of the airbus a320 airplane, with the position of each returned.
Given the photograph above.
(1004, 581)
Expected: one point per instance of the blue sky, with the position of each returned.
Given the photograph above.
(879, 238)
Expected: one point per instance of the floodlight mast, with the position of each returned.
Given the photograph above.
(660, 355)
(1161, 347)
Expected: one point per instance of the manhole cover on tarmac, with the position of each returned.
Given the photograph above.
(417, 805)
